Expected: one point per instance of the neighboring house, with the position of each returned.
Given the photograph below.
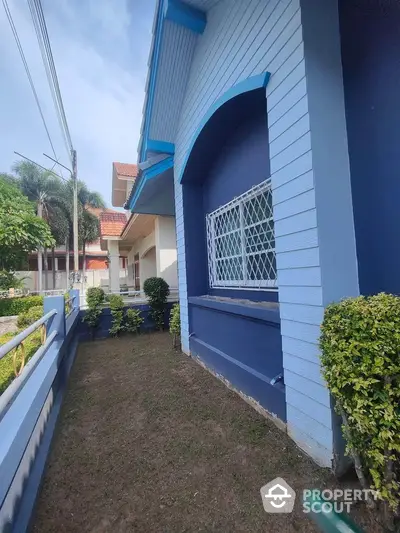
(275, 124)
(96, 263)
(147, 239)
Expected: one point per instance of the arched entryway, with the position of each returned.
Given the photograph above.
(232, 289)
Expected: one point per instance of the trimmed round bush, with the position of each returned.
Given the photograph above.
(157, 291)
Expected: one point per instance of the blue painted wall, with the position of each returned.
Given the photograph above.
(246, 350)
(230, 156)
(370, 34)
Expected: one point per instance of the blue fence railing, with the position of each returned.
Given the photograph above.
(29, 408)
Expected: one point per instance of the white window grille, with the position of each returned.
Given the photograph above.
(241, 241)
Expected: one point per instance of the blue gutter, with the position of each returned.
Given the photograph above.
(160, 147)
(147, 175)
(186, 16)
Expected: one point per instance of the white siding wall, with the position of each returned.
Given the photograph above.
(244, 39)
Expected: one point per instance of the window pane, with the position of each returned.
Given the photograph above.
(230, 269)
(259, 238)
(261, 267)
(228, 221)
(241, 241)
(228, 245)
(258, 208)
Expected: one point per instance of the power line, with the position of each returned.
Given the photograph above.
(21, 52)
(48, 73)
(46, 39)
(51, 72)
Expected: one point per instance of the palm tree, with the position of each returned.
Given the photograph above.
(60, 224)
(89, 230)
(54, 201)
(45, 189)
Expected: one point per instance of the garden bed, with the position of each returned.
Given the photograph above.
(149, 441)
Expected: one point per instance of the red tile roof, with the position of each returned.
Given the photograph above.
(112, 223)
(126, 169)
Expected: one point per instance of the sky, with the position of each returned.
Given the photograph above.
(100, 49)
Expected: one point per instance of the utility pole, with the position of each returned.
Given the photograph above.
(75, 221)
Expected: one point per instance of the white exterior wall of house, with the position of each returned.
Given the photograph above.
(306, 121)
(166, 255)
(157, 254)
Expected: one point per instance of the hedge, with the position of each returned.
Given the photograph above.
(360, 345)
(15, 306)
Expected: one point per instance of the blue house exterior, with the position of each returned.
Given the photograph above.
(269, 130)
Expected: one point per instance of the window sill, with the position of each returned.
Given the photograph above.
(264, 311)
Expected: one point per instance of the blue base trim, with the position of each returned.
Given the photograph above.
(250, 84)
(184, 15)
(245, 379)
(160, 147)
(266, 312)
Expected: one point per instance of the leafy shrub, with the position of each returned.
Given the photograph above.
(95, 299)
(117, 312)
(175, 322)
(8, 280)
(16, 306)
(32, 343)
(133, 320)
(27, 318)
(360, 346)
(157, 291)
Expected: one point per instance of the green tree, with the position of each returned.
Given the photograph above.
(44, 189)
(21, 231)
(60, 224)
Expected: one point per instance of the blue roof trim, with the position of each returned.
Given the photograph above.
(147, 175)
(250, 84)
(182, 14)
(160, 147)
(153, 76)
(185, 15)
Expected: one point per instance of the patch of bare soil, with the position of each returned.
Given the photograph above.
(149, 441)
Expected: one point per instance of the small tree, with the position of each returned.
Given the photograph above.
(360, 346)
(157, 292)
(175, 323)
(133, 320)
(95, 299)
(117, 312)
